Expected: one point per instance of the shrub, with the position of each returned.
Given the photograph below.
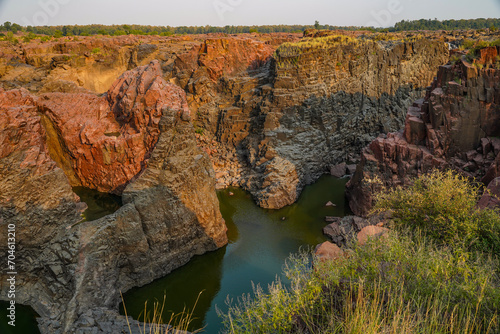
(429, 275)
(404, 284)
(454, 59)
(467, 44)
(96, 51)
(443, 207)
(495, 43)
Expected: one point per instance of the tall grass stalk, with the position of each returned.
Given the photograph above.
(153, 323)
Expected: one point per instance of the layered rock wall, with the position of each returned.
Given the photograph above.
(275, 128)
(327, 103)
(455, 126)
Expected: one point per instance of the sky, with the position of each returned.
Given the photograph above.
(379, 13)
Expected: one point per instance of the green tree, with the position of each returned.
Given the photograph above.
(15, 28)
(316, 25)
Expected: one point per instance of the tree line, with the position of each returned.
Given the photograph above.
(125, 29)
(116, 30)
(447, 24)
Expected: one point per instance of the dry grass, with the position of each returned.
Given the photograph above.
(153, 323)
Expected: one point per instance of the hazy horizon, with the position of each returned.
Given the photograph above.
(378, 13)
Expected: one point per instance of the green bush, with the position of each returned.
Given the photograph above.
(433, 273)
(443, 207)
(495, 43)
(467, 44)
(403, 284)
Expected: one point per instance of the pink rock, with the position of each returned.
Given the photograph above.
(491, 197)
(110, 137)
(338, 170)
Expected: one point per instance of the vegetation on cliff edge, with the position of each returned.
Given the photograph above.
(434, 273)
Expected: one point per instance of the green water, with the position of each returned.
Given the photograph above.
(98, 204)
(259, 243)
(25, 320)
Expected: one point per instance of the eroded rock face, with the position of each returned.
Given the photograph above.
(455, 126)
(170, 214)
(36, 197)
(79, 64)
(275, 128)
(221, 56)
(327, 104)
(270, 125)
(110, 138)
(170, 210)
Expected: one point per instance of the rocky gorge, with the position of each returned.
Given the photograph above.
(164, 122)
(454, 127)
(170, 208)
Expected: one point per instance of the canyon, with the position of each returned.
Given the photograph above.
(165, 121)
(455, 126)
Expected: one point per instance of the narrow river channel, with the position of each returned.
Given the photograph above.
(260, 241)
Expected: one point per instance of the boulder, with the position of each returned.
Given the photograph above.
(338, 170)
(371, 232)
(328, 251)
(491, 196)
(343, 230)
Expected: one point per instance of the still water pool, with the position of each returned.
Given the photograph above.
(259, 243)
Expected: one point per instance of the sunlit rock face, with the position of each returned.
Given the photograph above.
(137, 140)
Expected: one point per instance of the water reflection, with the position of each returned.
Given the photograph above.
(260, 241)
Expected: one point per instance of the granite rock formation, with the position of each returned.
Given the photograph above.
(455, 126)
(275, 128)
(106, 141)
(68, 267)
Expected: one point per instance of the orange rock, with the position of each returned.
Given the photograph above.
(328, 251)
(110, 137)
(488, 55)
(371, 232)
(222, 56)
